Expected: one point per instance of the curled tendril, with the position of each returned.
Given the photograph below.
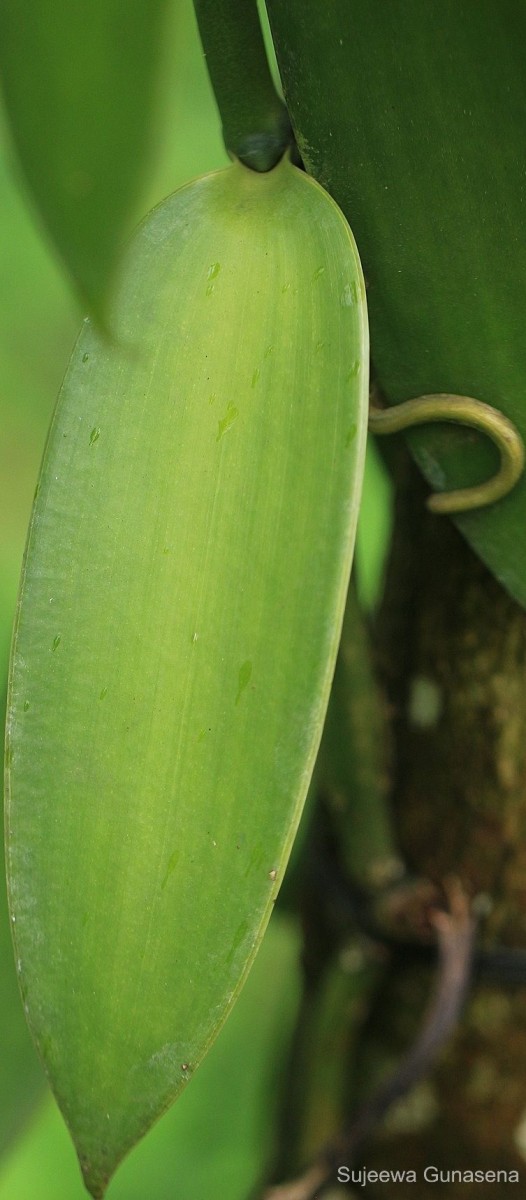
(461, 410)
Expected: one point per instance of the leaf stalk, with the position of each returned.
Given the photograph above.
(256, 127)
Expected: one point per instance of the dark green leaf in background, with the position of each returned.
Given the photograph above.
(413, 116)
(79, 79)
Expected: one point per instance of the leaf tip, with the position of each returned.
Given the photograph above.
(95, 1175)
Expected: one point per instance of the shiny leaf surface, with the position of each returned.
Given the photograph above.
(179, 618)
(412, 115)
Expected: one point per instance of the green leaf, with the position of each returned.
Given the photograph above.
(179, 619)
(414, 121)
(21, 1077)
(79, 82)
(22, 1080)
(216, 1135)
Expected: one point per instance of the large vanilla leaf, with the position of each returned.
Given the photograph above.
(181, 606)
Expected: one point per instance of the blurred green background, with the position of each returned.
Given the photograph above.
(218, 1137)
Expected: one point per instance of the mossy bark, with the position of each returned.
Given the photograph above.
(452, 655)
(450, 650)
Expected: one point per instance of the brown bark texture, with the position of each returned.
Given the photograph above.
(451, 648)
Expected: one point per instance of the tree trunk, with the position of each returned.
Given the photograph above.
(452, 654)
